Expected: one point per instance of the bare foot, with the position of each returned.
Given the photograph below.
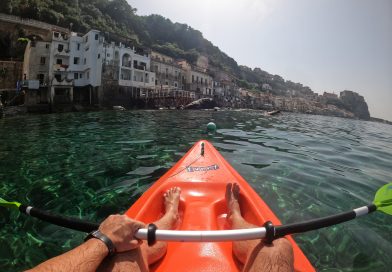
(171, 201)
(232, 195)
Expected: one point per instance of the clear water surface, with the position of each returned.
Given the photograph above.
(91, 165)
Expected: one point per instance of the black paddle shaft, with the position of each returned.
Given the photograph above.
(318, 223)
(59, 220)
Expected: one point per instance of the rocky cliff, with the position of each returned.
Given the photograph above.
(356, 104)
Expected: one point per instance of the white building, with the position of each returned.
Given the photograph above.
(66, 62)
(76, 61)
(131, 67)
(70, 67)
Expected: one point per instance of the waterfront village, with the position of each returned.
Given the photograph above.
(66, 71)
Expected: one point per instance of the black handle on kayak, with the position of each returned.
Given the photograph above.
(280, 231)
(59, 220)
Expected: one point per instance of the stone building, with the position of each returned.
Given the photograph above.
(197, 80)
(169, 74)
(224, 85)
(330, 95)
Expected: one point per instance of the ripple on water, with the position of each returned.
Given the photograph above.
(90, 165)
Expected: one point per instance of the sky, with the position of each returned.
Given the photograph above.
(328, 45)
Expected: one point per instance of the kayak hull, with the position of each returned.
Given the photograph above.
(202, 174)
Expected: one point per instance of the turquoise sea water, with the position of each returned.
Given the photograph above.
(91, 165)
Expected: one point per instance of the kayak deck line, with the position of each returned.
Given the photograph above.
(203, 210)
(185, 167)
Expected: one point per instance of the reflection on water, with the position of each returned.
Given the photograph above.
(93, 164)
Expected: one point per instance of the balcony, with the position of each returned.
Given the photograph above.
(127, 64)
(62, 52)
(140, 67)
(62, 81)
(60, 67)
(57, 36)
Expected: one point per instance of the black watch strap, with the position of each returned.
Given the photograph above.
(106, 240)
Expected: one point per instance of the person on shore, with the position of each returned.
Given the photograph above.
(133, 255)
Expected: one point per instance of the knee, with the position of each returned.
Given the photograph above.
(282, 249)
(282, 243)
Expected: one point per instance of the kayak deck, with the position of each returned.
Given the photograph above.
(203, 179)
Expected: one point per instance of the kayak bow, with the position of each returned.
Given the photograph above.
(202, 174)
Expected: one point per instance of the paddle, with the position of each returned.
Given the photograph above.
(382, 202)
(59, 220)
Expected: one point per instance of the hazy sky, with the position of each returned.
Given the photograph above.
(329, 45)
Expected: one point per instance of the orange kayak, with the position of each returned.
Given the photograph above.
(202, 175)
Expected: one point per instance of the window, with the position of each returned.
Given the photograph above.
(166, 83)
(197, 79)
(99, 55)
(80, 75)
(108, 55)
(193, 78)
(43, 60)
(175, 84)
(76, 76)
(41, 78)
(86, 38)
(201, 80)
(96, 37)
(78, 46)
(47, 45)
(88, 75)
(156, 82)
(59, 61)
(76, 60)
(56, 34)
(135, 64)
(58, 77)
(60, 47)
(84, 61)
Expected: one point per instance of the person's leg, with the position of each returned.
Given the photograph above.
(171, 200)
(241, 249)
(140, 259)
(252, 253)
(275, 257)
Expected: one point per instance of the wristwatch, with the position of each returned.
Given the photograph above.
(106, 240)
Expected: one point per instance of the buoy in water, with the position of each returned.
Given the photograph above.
(211, 127)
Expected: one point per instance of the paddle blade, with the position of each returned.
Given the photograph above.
(383, 199)
(7, 204)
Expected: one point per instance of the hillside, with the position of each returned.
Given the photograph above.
(154, 31)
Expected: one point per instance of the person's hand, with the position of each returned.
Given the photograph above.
(121, 230)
